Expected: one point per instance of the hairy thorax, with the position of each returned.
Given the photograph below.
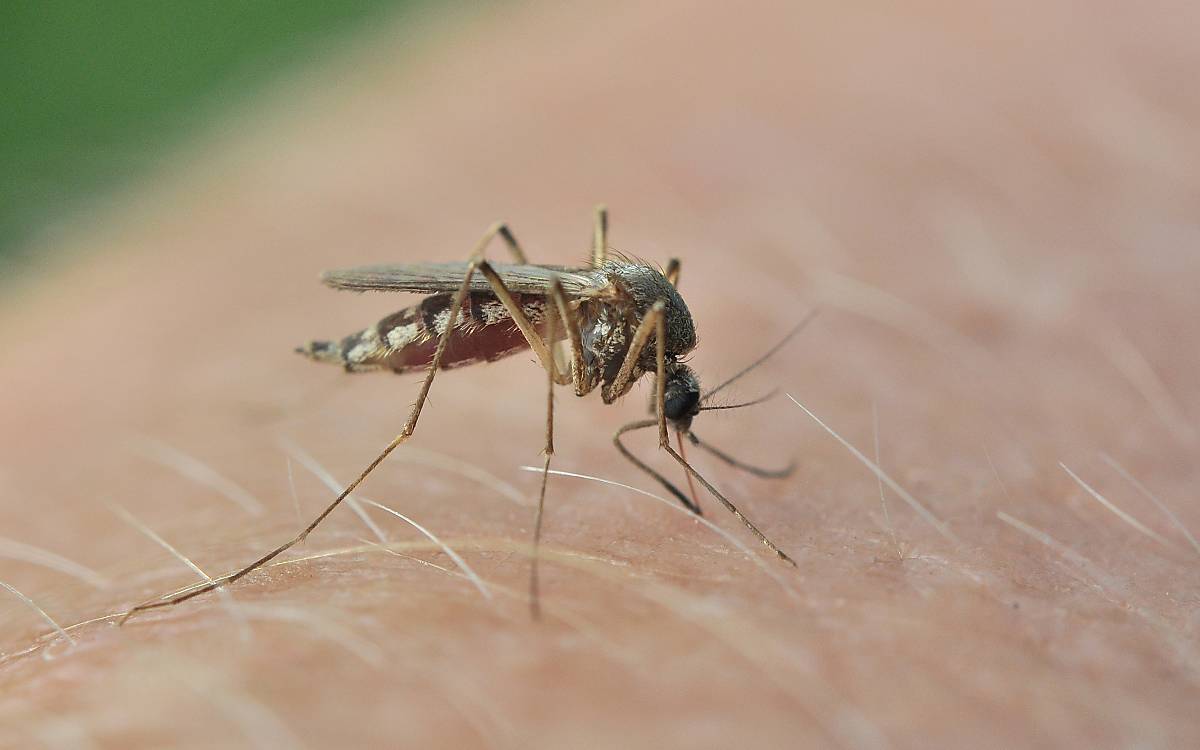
(609, 321)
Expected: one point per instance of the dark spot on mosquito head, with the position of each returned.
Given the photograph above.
(682, 396)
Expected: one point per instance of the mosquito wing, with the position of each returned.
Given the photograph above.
(429, 278)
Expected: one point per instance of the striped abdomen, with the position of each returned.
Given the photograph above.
(404, 341)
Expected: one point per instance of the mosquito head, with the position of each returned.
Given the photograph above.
(682, 396)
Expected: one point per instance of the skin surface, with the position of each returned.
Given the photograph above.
(994, 206)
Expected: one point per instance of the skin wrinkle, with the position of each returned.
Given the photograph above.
(789, 155)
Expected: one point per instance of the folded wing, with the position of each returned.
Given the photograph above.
(429, 278)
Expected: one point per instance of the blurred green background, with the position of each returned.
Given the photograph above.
(94, 93)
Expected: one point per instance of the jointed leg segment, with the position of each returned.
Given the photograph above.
(651, 322)
(672, 271)
(577, 376)
(536, 343)
(632, 426)
(510, 241)
(535, 607)
(600, 237)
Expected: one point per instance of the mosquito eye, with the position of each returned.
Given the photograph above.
(681, 404)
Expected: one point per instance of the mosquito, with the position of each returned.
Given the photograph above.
(604, 325)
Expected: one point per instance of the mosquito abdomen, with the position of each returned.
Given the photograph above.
(406, 340)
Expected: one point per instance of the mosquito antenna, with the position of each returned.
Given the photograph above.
(671, 488)
(774, 392)
(735, 463)
(799, 326)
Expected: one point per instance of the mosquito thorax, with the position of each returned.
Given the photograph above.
(647, 285)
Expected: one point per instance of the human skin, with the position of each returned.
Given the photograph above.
(993, 207)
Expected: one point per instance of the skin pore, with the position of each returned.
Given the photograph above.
(993, 418)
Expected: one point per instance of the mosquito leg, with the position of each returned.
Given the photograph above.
(686, 501)
(578, 368)
(640, 336)
(688, 467)
(730, 507)
(600, 237)
(672, 272)
(476, 263)
(651, 321)
(536, 342)
(660, 379)
(514, 247)
(535, 606)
